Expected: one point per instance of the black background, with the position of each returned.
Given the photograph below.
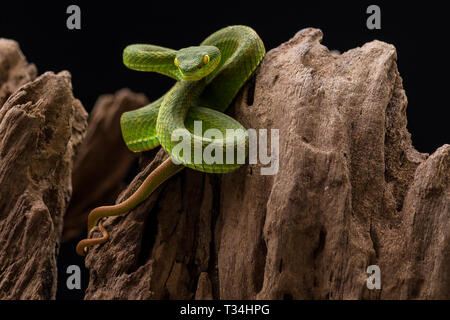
(93, 54)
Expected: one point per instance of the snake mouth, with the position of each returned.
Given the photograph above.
(189, 76)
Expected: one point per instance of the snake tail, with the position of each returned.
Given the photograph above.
(163, 172)
(84, 244)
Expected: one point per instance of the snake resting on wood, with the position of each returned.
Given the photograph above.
(208, 78)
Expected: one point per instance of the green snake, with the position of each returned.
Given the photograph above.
(208, 78)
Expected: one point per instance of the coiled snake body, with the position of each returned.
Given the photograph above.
(208, 78)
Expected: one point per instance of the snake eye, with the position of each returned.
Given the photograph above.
(175, 62)
(205, 59)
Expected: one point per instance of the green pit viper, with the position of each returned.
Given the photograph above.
(208, 78)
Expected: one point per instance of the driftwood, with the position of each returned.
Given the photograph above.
(351, 191)
(41, 126)
(15, 70)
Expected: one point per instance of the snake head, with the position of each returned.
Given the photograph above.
(196, 63)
